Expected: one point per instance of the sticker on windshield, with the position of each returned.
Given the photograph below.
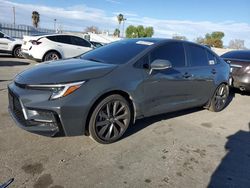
(144, 43)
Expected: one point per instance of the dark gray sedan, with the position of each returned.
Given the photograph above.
(239, 61)
(105, 90)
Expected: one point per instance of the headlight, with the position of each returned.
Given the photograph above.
(248, 69)
(59, 90)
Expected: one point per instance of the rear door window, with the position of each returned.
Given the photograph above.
(173, 52)
(197, 56)
(60, 38)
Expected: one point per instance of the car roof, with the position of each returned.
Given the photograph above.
(53, 34)
(237, 54)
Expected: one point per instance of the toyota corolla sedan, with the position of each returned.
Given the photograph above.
(239, 61)
(105, 90)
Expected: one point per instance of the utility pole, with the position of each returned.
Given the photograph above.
(55, 25)
(14, 15)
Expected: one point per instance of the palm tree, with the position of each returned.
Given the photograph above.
(35, 18)
(120, 18)
(116, 32)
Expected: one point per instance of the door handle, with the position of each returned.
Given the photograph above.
(187, 75)
(213, 71)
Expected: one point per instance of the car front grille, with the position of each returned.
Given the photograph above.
(16, 107)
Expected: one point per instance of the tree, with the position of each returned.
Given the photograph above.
(139, 31)
(116, 32)
(92, 29)
(179, 37)
(149, 31)
(200, 40)
(35, 18)
(214, 39)
(237, 44)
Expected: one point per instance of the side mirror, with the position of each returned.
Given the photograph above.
(7, 37)
(160, 64)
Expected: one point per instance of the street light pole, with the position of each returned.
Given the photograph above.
(14, 15)
(55, 25)
(124, 19)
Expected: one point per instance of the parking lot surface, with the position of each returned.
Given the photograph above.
(191, 148)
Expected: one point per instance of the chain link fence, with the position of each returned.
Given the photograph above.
(18, 31)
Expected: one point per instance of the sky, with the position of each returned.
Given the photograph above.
(192, 18)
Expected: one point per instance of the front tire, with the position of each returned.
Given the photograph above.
(110, 119)
(220, 98)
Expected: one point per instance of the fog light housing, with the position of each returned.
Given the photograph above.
(40, 116)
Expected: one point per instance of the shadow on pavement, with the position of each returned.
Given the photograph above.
(12, 63)
(234, 169)
(145, 122)
(6, 55)
(5, 80)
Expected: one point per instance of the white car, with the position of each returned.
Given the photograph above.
(54, 47)
(10, 45)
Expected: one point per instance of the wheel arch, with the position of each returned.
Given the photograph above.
(52, 50)
(210, 99)
(124, 94)
(14, 47)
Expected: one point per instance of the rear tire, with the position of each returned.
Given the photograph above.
(17, 52)
(220, 98)
(110, 119)
(51, 56)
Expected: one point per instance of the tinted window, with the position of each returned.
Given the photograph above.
(244, 55)
(117, 52)
(80, 42)
(1, 35)
(60, 38)
(174, 52)
(211, 58)
(197, 56)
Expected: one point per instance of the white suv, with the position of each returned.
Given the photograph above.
(10, 45)
(53, 47)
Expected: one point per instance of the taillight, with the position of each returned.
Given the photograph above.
(35, 42)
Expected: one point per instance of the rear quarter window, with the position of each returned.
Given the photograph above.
(212, 59)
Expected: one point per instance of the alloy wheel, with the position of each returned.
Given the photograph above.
(221, 96)
(112, 120)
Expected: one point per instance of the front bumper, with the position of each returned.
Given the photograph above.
(65, 116)
(47, 124)
(29, 56)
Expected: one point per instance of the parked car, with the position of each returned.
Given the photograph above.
(96, 44)
(10, 45)
(105, 90)
(239, 61)
(54, 47)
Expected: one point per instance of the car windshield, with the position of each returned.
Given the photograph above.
(118, 52)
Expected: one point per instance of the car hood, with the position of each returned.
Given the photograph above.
(63, 71)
